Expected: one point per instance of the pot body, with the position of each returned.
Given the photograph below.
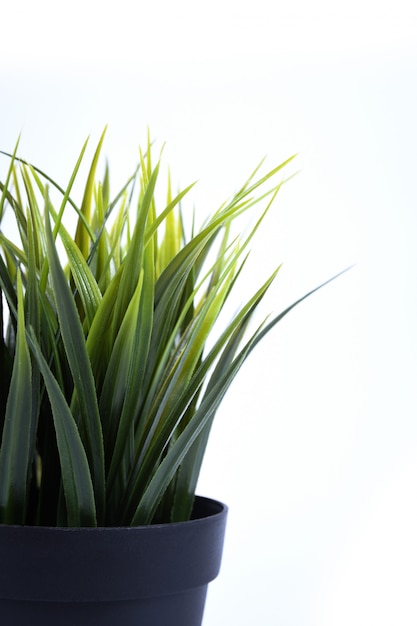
(141, 576)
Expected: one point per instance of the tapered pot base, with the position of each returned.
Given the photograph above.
(185, 609)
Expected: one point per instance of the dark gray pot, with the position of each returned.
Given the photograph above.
(144, 576)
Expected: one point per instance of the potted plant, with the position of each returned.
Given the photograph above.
(112, 369)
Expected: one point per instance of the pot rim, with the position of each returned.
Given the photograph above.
(200, 501)
(112, 563)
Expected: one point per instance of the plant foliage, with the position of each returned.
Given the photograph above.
(111, 373)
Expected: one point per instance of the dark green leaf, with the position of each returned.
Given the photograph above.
(79, 363)
(16, 448)
(76, 478)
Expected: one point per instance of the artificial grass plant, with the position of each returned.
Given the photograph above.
(111, 373)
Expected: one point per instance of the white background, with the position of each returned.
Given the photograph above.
(314, 449)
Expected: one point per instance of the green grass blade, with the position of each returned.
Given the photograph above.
(87, 288)
(281, 315)
(33, 320)
(160, 219)
(140, 345)
(76, 477)
(100, 258)
(82, 236)
(11, 250)
(134, 258)
(79, 363)
(4, 187)
(7, 287)
(115, 383)
(44, 175)
(16, 446)
(68, 189)
(99, 343)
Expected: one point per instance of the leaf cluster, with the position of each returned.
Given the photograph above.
(111, 370)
